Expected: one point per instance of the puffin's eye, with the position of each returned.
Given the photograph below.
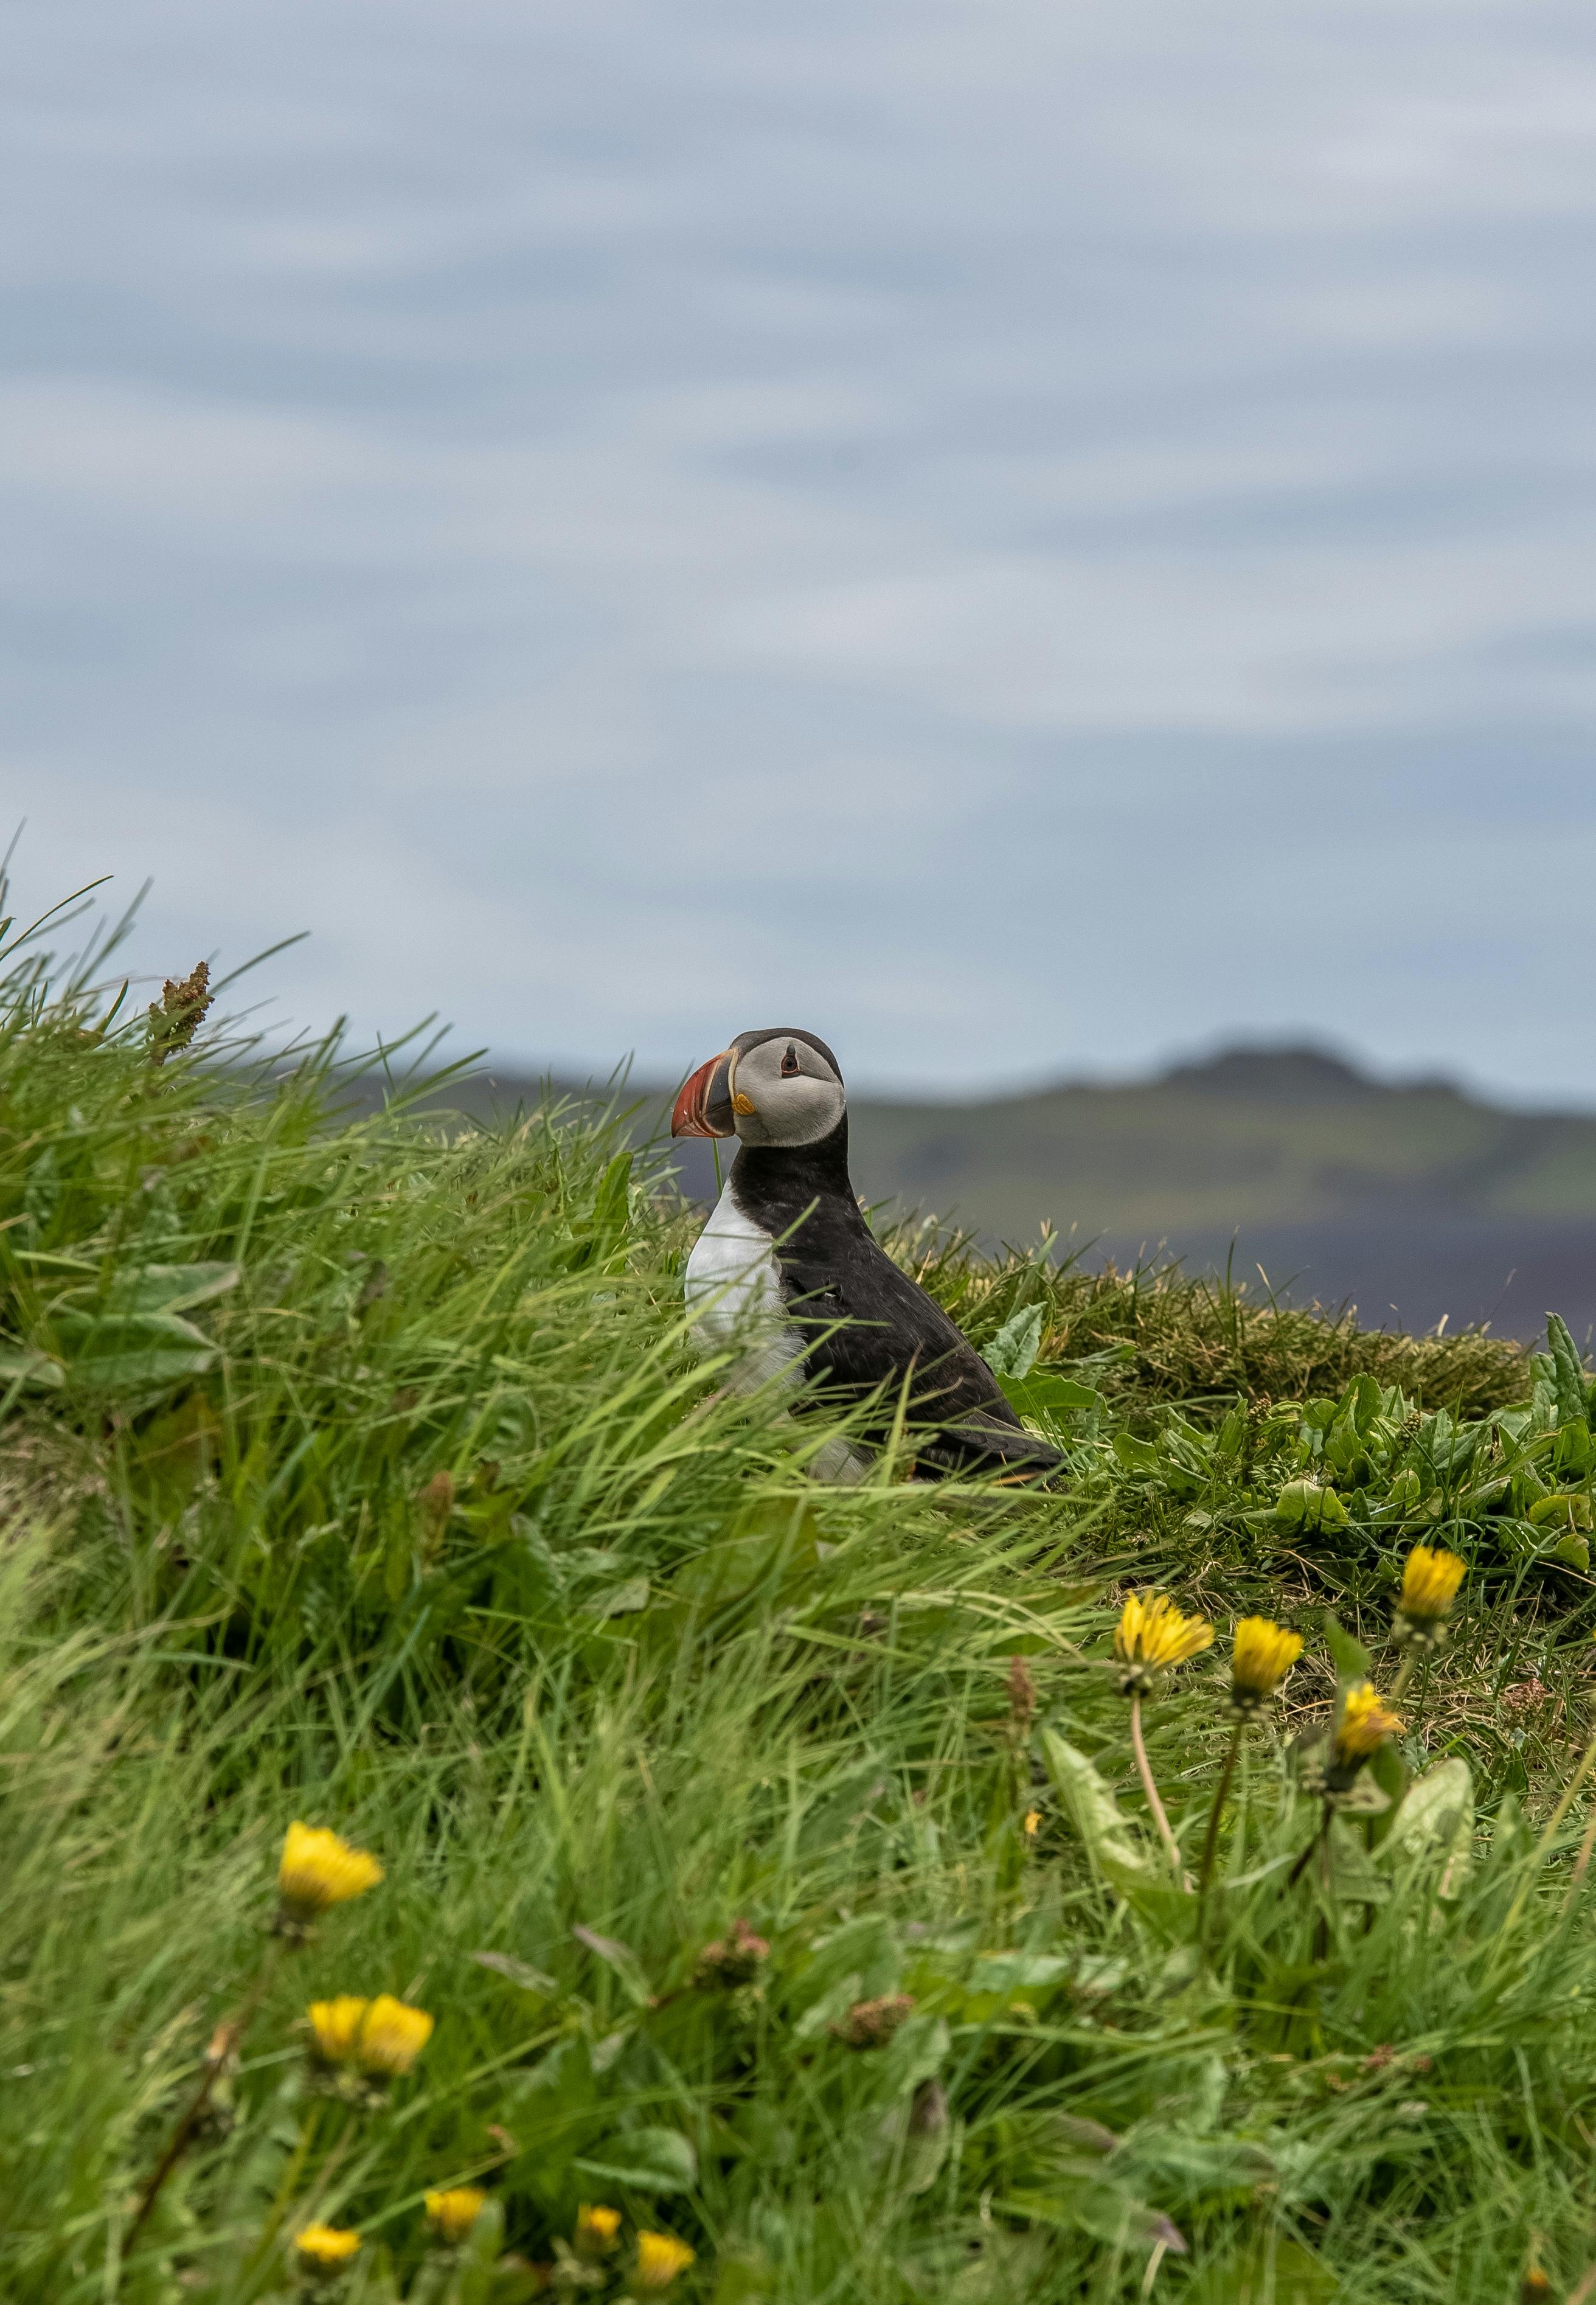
(789, 1063)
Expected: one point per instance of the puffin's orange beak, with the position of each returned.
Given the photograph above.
(704, 1108)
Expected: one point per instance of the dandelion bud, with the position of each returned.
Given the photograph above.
(392, 2037)
(1362, 1728)
(316, 1870)
(324, 2251)
(453, 2212)
(596, 2230)
(1151, 1637)
(1262, 1656)
(660, 2257)
(335, 2028)
(1429, 1581)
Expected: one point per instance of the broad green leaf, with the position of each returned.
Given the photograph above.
(649, 2160)
(133, 1353)
(1109, 1834)
(168, 1288)
(1136, 1456)
(1042, 1397)
(619, 1958)
(1007, 1972)
(519, 1972)
(1103, 2210)
(1308, 1504)
(31, 1369)
(1567, 1370)
(1012, 1351)
(622, 1600)
(1437, 1819)
(1390, 1772)
(1351, 1658)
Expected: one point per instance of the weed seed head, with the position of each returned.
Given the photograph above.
(318, 1870)
(872, 2024)
(660, 2257)
(1152, 1636)
(178, 1015)
(735, 1958)
(1263, 1655)
(453, 2212)
(1429, 1581)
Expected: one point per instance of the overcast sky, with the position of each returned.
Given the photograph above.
(1026, 535)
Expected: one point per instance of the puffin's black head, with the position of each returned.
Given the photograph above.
(780, 1086)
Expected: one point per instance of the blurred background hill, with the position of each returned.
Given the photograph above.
(1415, 1201)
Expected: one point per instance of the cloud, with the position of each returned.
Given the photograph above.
(1026, 536)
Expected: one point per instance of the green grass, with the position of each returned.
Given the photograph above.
(357, 1471)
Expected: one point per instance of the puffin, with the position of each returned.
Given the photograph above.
(788, 1275)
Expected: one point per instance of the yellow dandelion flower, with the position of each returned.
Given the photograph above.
(1364, 1724)
(1429, 1581)
(318, 1870)
(660, 2257)
(325, 2248)
(392, 2035)
(1034, 1823)
(596, 2229)
(1152, 1636)
(1263, 1653)
(453, 2210)
(335, 2026)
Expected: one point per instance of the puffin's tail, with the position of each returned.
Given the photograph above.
(975, 1446)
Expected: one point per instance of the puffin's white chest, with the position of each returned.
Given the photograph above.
(734, 1296)
(733, 1286)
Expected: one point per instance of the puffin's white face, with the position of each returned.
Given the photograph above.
(771, 1087)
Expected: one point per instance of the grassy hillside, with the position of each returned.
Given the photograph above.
(1410, 1203)
(1252, 1137)
(773, 1862)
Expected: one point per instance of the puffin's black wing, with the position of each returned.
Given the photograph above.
(871, 1326)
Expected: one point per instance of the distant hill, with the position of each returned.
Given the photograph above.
(1252, 1136)
(1413, 1200)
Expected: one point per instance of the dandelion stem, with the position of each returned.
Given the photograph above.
(1221, 1794)
(1404, 1674)
(1144, 1771)
(224, 2041)
(1320, 1832)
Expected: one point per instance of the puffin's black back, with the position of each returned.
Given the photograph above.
(833, 1270)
